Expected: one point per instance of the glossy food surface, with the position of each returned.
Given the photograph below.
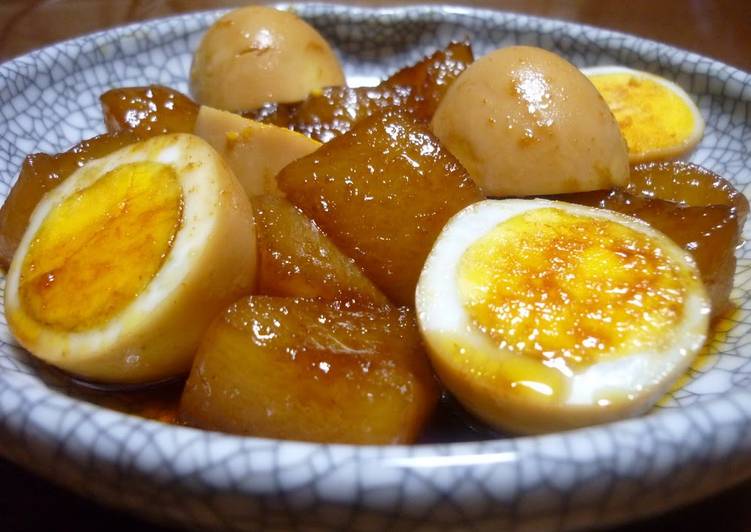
(524, 121)
(382, 192)
(575, 289)
(42, 172)
(546, 491)
(296, 259)
(130, 114)
(125, 263)
(335, 110)
(542, 316)
(292, 369)
(697, 209)
(149, 110)
(431, 77)
(686, 184)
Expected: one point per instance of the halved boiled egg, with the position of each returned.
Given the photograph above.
(658, 119)
(542, 315)
(125, 263)
(524, 121)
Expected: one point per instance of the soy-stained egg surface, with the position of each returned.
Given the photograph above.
(656, 117)
(125, 263)
(257, 54)
(524, 121)
(544, 315)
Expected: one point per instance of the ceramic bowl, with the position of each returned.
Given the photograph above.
(696, 442)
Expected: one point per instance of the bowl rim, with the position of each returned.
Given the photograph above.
(733, 407)
(117, 32)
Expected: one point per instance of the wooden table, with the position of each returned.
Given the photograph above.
(720, 29)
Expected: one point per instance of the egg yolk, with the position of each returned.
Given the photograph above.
(569, 290)
(649, 114)
(101, 246)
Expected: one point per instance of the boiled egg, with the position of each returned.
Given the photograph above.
(524, 121)
(542, 315)
(658, 119)
(124, 264)
(258, 54)
(254, 151)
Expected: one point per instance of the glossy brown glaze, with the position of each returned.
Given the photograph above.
(150, 110)
(688, 185)
(335, 110)
(159, 402)
(382, 192)
(292, 369)
(130, 114)
(432, 76)
(296, 259)
(697, 209)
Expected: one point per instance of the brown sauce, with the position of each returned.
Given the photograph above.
(699, 210)
(160, 402)
(449, 422)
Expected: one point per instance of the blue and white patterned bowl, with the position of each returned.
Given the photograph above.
(697, 442)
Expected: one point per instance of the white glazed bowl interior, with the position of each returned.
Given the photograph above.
(697, 442)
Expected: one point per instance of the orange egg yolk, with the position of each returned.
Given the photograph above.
(101, 246)
(570, 290)
(649, 114)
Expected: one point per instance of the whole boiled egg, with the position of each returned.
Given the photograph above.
(124, 264)
(524, 121)
(542, 315)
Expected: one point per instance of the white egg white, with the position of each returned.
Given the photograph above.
(634, 381)
(211, 262)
